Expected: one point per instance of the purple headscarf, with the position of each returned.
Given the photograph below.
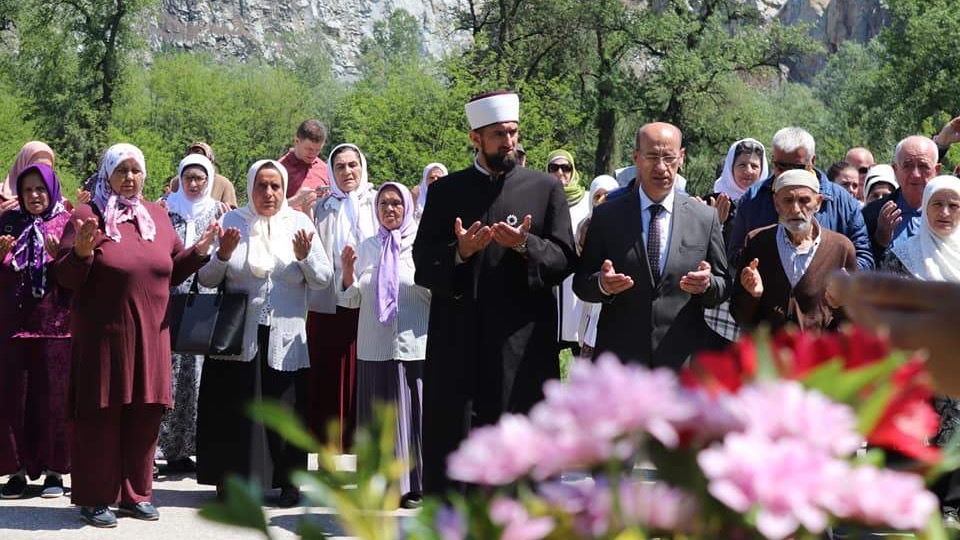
(30, 230)
(388, 273)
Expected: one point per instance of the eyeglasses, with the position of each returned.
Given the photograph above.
(390, 204)
(669, 160)
(194, 179)
(565, 167)
(789, 166)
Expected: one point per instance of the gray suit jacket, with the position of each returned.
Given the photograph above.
(656, 324)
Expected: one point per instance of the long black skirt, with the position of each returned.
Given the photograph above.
(228, 440)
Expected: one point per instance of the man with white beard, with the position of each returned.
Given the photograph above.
(785, 267)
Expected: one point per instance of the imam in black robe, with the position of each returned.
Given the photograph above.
(492, 339)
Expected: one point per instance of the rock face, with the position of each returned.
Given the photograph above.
(262, 28)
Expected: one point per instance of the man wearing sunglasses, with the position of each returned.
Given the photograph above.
(794, 148)
(862, 160)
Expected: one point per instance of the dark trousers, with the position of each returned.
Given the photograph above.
(113, 454)
(332, 342)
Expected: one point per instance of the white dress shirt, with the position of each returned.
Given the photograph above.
(665, 218)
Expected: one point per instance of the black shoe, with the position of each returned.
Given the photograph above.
(411, 500)
(52, 487)
(289, 497)
(180, 466)
(99, 516)
(142, 510)
(15, 487)
(156, 471)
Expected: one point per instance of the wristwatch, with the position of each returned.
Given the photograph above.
(521, 248)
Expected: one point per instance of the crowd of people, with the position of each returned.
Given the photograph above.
(451, 301)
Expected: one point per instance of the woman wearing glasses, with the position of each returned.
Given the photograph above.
(561, 166)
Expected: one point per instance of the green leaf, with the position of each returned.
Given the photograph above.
(846, 385)
(281, 419)
(241, 508)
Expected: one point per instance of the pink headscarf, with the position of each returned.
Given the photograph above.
(116, 208)
(25, 158)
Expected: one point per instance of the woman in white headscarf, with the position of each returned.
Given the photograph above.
(431, 173)
(590, 312)
(192, 209)
(120, 255)
(271, 253)
(345, 217)
(745, 164)
(933, 254)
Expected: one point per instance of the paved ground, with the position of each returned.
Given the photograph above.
(176, 497)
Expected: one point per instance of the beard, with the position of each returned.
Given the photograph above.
(501, 162)
(796, 226)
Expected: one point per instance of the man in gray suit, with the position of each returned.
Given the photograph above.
(654, 258)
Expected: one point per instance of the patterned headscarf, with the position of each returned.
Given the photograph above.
(115, 207)
(388, 273)
(27, 156)
(30, 230)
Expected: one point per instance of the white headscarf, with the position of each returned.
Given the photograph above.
(267, 242)
(116, 208)
(353, 224)
(180, 203)
(927, 255)
(422, 196)
(604, 181)
(726, 183)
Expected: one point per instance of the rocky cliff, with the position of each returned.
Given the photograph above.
(252, 28)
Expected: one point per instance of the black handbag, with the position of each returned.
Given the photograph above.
(207, 324)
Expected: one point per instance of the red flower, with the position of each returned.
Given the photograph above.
(720, 372)
(909, 420)
(798, 353)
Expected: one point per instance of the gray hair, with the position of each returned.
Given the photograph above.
(926, 141)
(789, 139)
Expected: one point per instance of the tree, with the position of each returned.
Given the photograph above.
(70, 64)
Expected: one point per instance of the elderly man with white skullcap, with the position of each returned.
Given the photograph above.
(784, 268)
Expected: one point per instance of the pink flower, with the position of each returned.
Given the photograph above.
(603, 407)
(589, 502)
(498, 454)
(882, 497)
(786, 409)
(780, 479)
(656, 505)
(516, 521)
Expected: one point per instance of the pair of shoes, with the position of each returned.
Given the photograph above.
(141, 510)
(289, 497)
(52, 487)
(99, 516)
(951, 519)
(15, 487)
(180, 466)
(411, 500)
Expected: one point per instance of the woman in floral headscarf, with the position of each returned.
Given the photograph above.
(31, 153)
(120, 255)
(345, 217)
(34, 338)
(377, 277)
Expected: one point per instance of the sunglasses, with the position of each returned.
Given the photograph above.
(565, 167)
(863, 170)
(789, 166)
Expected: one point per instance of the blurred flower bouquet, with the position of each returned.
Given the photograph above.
(761, 441)
(764, 440)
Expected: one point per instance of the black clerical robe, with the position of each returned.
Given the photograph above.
(492, 339)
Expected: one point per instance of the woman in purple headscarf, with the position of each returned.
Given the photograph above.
(392, 337)
(34, 338)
